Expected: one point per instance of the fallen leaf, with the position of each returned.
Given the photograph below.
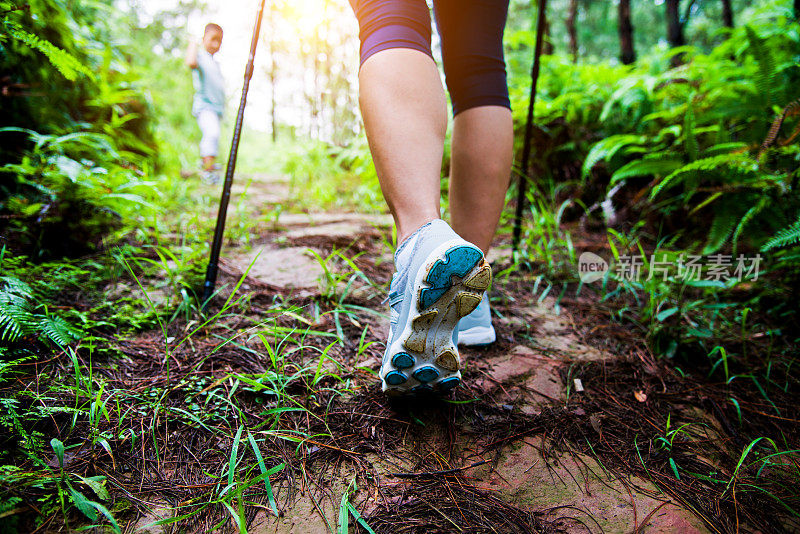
(640, 395)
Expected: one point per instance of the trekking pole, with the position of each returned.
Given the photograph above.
(526, 147)
(216, 245)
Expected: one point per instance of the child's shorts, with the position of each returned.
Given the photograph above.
(209, 122)
(472, 42)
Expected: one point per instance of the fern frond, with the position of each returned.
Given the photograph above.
(725, 148)
(673, 131)
(58, 330)
(766, 64)
(646, 167)
(605, 149)
(68, 65)
(723, 224)
(10, 329)
(14, 286)
(738, 162)
(788, 236)
(15, 317)
(689, 135)
(12, 367)
(748, 217)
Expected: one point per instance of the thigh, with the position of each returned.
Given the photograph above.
(209, 123)
(472, 46)
(385, 24)
(471, 26)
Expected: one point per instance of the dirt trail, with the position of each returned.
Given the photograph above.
(525, 373)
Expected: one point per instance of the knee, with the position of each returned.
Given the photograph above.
(477, 80)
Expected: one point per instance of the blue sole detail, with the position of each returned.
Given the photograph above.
(459, 261)
(403, 360)
(395, 378)
(449, 383)
(426, 374)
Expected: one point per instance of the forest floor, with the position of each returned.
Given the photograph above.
(513, 472)
(506, 453)
(267, 415)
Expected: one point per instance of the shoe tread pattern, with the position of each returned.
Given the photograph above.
(458, 261)
(451, 288)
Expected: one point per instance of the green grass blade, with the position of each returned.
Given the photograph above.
(234, 455)
(360, 520)
(105, 511)
(264, 471)
(344, 514)
(674, 467)
(235, 516)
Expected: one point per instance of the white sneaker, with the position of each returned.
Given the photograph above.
(443, 282)
(476, 329)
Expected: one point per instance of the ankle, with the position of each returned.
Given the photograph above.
(408, 226)
(402, 256)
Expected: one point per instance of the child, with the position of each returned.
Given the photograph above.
(209, 96)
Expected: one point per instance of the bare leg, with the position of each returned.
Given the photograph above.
(405, 115)
(480, 170)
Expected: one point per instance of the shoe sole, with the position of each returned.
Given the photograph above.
(449, 286)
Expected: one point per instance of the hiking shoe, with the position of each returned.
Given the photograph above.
(476, 329)
(443, 280)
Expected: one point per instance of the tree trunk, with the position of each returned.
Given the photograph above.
(625, 27)
(674, 30)
(572, 14)
(727, 13)
(547, 47)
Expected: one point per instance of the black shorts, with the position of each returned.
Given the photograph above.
(471, 32)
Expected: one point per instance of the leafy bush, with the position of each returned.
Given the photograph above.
(698, 159)
(689, 140)
(326, 176)
(68, 192)
(77, 133)
(699, 143)
(68, 73)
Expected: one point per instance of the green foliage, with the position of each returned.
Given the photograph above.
(21, 315)
(68, 65)
(81, 170)
(15, 315)
(64, 50)
(691, 153)
(72, 168)
(693, 133)
(165, 84)
(68, 191)
(785, 237)
(325, 176)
